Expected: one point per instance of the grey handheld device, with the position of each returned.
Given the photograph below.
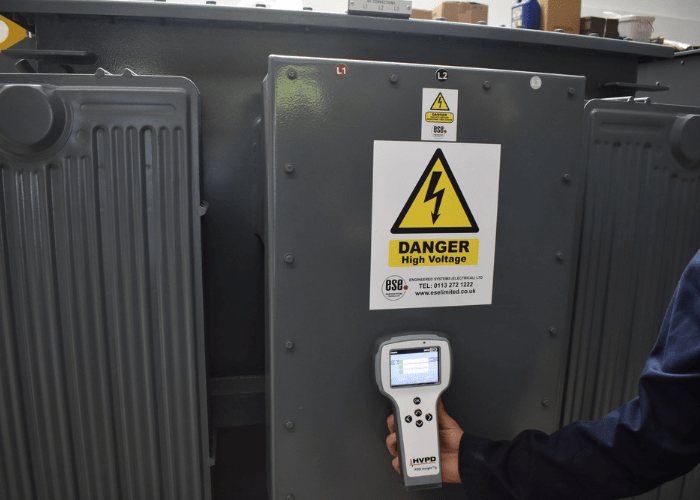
(412, 370)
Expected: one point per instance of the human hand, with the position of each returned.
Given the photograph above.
(450, 435)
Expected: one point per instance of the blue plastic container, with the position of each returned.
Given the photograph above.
(527, 14)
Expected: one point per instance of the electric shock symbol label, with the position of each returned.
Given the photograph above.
(439, 115)
(436, 204)
(435, 116)
(439, 104)
(434, 213)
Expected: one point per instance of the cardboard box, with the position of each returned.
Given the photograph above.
(561, 14)
(603, 27)
(637, 28)
(612, 28)
(421, 14)
(462, 12)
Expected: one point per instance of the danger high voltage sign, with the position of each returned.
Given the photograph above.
(448, 212)
(434, 212)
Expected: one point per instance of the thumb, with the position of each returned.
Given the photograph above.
(444, 420)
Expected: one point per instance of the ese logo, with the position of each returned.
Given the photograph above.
(439, 131)
(423, 461)
(394, 287)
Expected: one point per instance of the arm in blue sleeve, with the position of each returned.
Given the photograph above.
(651, 440)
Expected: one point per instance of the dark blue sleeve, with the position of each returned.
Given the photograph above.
(653, 439)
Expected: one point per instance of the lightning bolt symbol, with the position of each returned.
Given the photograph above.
(432, 194)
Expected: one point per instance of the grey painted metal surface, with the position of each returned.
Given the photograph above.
(506, 361)
(102, 377)
(227, 60)
(224, 51)
(681, 74)
(640, 229)
(7, 65)
(325, 20)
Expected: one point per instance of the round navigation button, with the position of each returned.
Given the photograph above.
(418, 413)
(416, 401)
(419, 423)
(408, 418)
(428, 417)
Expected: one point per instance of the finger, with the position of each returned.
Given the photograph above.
(444, 420)
(395, 464)
(391, 424)
(392, 445)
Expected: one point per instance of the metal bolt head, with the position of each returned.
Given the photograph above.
(545, 402)
(289, 258)
(566, 177)
(289, 424)
(291, 73)
(289, 168)
(571, 91)
(486, 85)
(682, 63)
(560, 256)
(408, 7)
(559, 30)
(553, 330)
(290, 497)
(393, 78)
(289, 345)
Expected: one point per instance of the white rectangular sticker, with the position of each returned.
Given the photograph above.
(439, 115)
(434, 212)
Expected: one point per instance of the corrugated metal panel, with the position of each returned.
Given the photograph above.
(641, 227)
(101, 362)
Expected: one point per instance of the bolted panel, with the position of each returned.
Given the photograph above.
(327, 419)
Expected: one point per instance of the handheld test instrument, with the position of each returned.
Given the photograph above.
(412, 371)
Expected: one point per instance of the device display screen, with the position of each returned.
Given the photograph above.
(415, 366)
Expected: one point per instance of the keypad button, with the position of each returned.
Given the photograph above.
(408, 419)
(419, 423)
(416, 401)
(418, 413)
(428, 417)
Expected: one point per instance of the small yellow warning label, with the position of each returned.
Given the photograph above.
(439, 117)
(439, 104)
(414, 253)
(436, 204)
(10, 33)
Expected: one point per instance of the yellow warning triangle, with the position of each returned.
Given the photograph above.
(440, 104)
(10, 33)
(436, 205)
